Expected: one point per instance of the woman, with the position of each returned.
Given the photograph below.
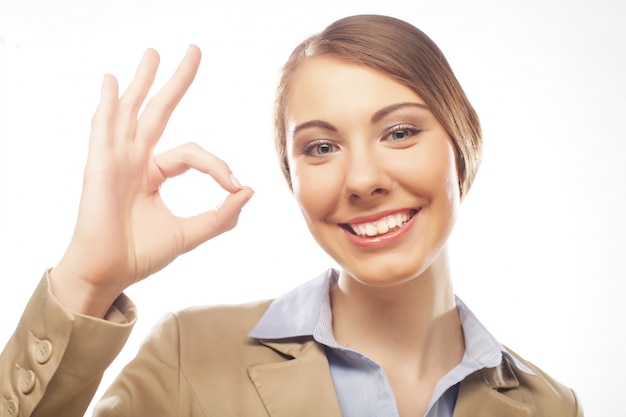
(379, 145)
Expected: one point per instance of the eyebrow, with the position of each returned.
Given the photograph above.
(313, 123)
(376, 117)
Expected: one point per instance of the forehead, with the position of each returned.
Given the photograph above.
(328, 86)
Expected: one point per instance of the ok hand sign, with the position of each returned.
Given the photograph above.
(124, 231)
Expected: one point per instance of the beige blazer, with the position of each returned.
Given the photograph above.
(200, 362)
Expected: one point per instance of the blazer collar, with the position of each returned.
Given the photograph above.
(487, 393)
(302, 386)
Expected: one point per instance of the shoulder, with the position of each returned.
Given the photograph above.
(548, 396)
(239, 316)
(227, 321)
(508, 390)
(214, 331)
(545, 389)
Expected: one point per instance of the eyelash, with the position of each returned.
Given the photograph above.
(411, 131)
(310, 148)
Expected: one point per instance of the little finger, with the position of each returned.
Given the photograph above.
(104, 117)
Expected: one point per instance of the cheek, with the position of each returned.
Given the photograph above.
(316, 189)
(429, 170)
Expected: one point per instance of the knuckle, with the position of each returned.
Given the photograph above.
(191, 148)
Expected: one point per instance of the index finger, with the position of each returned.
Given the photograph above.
(192, 156)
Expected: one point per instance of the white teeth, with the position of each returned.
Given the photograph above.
(381, 226)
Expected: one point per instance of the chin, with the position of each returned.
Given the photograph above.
(395, 269)
(384, 277)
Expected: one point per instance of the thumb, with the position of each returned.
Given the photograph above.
(198, 229)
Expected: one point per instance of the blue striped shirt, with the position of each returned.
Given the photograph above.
(361, 384)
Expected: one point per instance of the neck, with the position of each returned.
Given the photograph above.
(414, 322)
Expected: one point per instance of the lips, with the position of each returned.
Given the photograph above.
(381, 226)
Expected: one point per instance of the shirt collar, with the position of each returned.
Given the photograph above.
(296, 313)
(305, 311)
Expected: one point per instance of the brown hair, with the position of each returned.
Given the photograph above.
(406, 54)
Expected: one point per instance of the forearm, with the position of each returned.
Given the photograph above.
(54, 361)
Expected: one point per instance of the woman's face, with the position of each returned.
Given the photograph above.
(372, 169)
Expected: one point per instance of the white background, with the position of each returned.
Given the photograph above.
(538, 250)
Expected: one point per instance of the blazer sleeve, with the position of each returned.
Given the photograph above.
(55, 359)
(153, 383)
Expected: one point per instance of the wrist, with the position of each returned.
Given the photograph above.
(79, 295)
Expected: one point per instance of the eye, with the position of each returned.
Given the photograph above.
(319, 148)
(401, 132)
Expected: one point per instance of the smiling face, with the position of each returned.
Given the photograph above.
(372, 169)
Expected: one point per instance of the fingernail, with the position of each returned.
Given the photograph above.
(235, 182)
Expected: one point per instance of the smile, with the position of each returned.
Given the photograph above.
(381, 226)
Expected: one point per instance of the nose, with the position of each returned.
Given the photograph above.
(366, 177)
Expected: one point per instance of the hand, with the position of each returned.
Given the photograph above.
(124, 231)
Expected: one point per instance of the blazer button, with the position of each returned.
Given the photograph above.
(9, 408)
(27, 381)
(43, 351)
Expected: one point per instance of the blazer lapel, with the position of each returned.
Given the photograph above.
(493, 392)
(301, 385)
